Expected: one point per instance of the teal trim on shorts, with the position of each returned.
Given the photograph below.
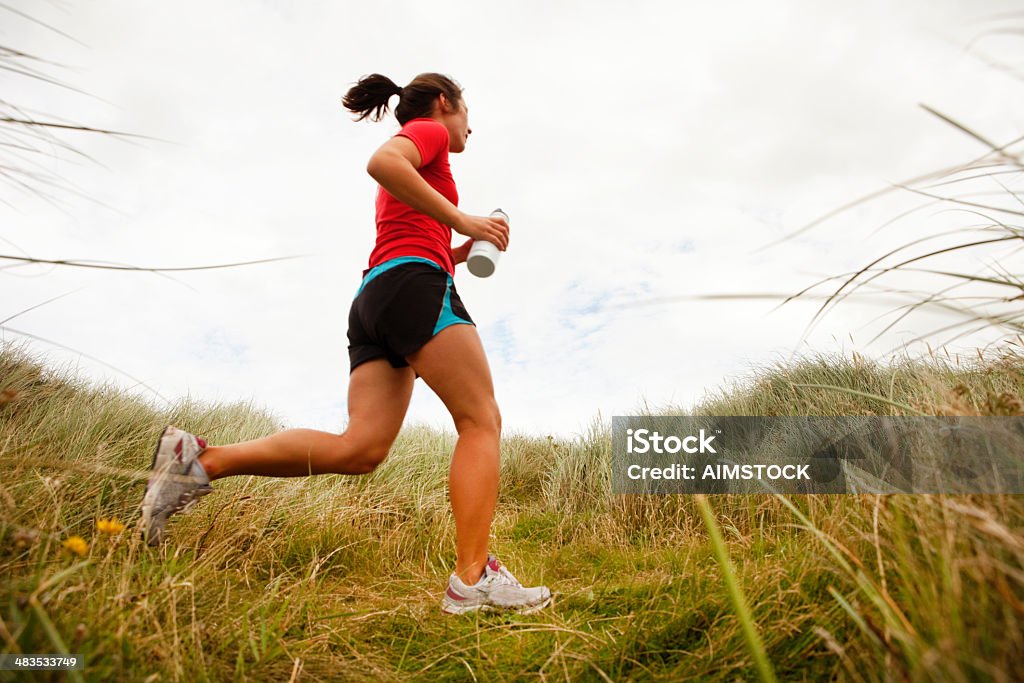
(391, 263)
(447, 316)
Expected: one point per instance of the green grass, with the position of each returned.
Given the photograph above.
(335, 577)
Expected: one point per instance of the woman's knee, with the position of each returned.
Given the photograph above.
(485, 416)
(369, 461)
(361, 455)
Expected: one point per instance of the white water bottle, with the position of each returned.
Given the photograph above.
(483, 255)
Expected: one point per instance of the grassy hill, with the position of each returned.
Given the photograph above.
(336, 577)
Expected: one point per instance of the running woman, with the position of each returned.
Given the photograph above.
(406, 321)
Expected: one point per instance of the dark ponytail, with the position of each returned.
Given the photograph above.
(416, 100)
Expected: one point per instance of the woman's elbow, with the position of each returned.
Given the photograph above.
(375, 167)
(383, 165)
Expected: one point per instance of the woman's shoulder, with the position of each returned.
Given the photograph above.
(424, 124)
(430, 132)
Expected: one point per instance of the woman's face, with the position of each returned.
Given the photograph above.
(456, 120)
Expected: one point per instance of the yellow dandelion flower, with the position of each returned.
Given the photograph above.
(77, 545)
(109, 526)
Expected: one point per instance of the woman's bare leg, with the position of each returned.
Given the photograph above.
(378, 397)
(454, 366)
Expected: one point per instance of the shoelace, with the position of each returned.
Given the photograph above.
(504, 577)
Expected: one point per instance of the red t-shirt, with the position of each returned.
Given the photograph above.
(401, 229)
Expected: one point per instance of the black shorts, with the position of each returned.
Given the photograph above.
(401, 304)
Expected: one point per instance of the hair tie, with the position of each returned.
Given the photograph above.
(399, 91)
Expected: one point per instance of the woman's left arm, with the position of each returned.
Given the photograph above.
(462, 253)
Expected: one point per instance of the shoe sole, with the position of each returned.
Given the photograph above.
(147, 506)
(536, 608)
(528, 609)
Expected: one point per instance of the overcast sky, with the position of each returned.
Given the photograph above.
(643, 151)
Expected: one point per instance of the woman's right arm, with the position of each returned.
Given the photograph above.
(394, 167)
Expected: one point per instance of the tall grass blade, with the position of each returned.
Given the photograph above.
(736, 597)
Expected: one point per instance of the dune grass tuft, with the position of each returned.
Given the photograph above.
(335, 577)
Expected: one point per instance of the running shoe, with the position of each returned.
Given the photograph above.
(176, 481)
(496, 589)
